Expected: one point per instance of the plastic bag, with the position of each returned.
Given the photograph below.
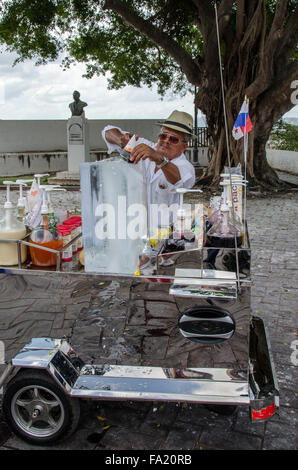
(34, 201)
(236, 170)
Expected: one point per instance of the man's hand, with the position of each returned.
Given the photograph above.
(124, 139)
(143, 151)
(114, 136)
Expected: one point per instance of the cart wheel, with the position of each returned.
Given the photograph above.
(37, 409)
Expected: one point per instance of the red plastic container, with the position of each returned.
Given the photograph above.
(66, 235)
(76, 223)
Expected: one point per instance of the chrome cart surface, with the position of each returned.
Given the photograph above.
(182, 333)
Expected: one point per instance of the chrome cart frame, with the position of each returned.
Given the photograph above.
(184, 333)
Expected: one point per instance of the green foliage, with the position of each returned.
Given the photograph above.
(108, 44)
(284, 136)
(29, 27)
(85, 32)
(42, 30)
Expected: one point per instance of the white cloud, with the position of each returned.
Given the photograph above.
(44, 92)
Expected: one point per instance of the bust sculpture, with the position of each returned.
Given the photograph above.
(77, 107)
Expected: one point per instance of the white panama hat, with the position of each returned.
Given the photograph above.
(179, 121)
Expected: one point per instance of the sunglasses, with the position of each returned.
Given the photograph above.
(172, 138)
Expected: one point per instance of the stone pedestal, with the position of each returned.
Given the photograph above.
(77, 142)
(67, 178)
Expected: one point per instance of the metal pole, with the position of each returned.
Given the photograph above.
(196, 129)
(227, 140)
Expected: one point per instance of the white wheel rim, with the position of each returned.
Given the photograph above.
(37, 411)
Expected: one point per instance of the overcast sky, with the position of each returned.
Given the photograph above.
(44, 92)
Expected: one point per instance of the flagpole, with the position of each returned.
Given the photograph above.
(222, 89)
(227, 141)
(245, 143)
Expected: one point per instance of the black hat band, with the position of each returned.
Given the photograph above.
(178, 125)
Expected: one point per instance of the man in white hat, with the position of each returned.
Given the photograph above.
(165, 166)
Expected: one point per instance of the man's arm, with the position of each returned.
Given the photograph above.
(114, 136)
(143, 151)
(170, 170)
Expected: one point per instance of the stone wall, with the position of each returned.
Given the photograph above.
(40, 146)
(283, 160)
(19, 164)
(48, 136)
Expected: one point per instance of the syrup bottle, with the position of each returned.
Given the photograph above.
(11, 229)
(47, 237)
(223, 232)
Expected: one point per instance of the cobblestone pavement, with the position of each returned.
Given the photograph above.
(272, 223)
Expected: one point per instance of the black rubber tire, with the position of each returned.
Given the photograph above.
(34, 389)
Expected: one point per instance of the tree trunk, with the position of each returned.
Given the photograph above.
(258, 170)
(263, 173)
(224, 149)
(255, 40)
(248, 69)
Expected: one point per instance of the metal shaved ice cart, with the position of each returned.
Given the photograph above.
(182, 331)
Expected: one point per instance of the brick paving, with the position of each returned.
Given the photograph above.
(272, 222)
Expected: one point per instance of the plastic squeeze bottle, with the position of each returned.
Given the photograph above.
(182, 225)
(222, 234)
(53, 219)
(45, 237)
(11, 229)
(21, 206)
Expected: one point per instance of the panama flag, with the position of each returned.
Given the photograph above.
(243, 123)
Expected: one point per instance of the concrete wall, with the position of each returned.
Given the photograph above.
(14, 164)
(51, 135)
(283, 160)
(40, 146)
(19, 164)
(200, 158)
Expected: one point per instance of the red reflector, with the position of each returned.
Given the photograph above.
(264, 412)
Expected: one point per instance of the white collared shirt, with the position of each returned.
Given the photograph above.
(159, 189)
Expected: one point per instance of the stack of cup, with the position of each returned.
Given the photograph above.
(232, 192)
(66, 236)
(75, 226)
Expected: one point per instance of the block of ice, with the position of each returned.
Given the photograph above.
(114, 215)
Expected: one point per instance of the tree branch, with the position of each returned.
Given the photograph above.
(254, 26)
(206, 16)
(158, 37)
(224, 12)
(279, 18)
(278, 98)
(272, 43)
(240, 14)
(267, 54)
(290, 37)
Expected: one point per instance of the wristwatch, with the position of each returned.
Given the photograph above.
(163, 163)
